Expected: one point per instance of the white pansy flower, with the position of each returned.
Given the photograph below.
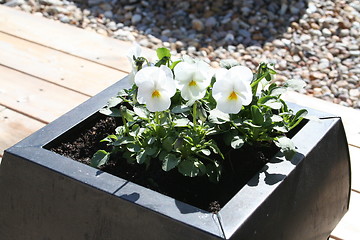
(135, 51)
(155, 87)
(192, 79)
(232, 89)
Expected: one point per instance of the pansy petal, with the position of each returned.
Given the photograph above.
(155, 87)
(167, 71)
(232, 89)
(221, 86)
(192, 79)
(158, 104)
(144, 75)
(229, 106)
(243, 73)
(220, 74)
(135, 51)
(183, 71)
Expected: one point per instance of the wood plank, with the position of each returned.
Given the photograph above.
(58, 67)
(349, 227)
(355, 168)
(34, 97)
(14, 127)
(349, 116)
(86, 44)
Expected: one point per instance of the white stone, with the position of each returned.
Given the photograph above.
(326, 32)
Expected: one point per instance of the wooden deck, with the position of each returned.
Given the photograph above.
(47, 68)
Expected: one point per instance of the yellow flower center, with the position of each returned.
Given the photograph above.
(155, 94)
(232, 96)
(192, 83)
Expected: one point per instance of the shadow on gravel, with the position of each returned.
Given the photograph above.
(202, 23)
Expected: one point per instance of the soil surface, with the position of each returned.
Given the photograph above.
(198, 191)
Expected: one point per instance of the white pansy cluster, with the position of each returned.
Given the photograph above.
(156, 85)
(176, 112)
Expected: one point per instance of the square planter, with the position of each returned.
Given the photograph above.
(44, 195)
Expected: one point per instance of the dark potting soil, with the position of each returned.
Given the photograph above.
(197, 191)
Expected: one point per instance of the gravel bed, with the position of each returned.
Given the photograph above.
(314, 40)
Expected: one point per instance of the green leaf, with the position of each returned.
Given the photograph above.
(216, 149)
(201, 111)
(163, 52)
(114, 101)
(257, 115)
(151, 150)
(237, 142)
(266, 98)
(282, 129)
(133, 147)
(180, 109)
(285, 144)
(151, 140)
(298, 117)
(99, 158)
(202, 168)
(277, 91)
(218, 117)
(141, 157)
(188, 168)
(111, 112)
(123, 140)
(170, 162)
(276, 118)
(167, 144)
(120, 130)
(173, 65)
(273, 104)
(301, 113)
(141, 112)
(109, 138)
(129, 115)
(249, 123)
(205, 151)
(182, 122)
(122, 93)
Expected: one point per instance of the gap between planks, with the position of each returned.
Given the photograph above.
(56, 67)
(85, 44)
(34, 97)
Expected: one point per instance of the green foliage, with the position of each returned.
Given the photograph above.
(183, 137)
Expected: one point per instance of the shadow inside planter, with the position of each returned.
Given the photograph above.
(217, 23)
(274, 178)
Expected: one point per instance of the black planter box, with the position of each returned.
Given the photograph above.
(47, 196)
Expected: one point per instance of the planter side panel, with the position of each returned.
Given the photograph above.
(37, 203)
(310, 202)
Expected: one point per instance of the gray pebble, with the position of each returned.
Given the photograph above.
(136, 18)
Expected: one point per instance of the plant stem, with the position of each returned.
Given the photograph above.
(157, 121)
(125, 124)
(194, 113)
(254, 85)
